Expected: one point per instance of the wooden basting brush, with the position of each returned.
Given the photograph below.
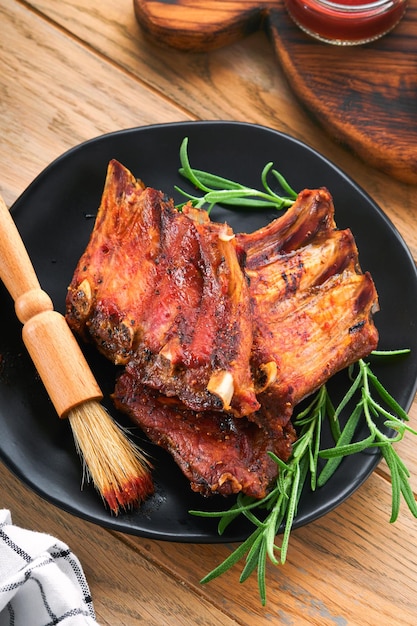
(120, 472)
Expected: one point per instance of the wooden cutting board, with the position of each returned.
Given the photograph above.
(364, 97)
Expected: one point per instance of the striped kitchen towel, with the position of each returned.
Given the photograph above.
(42, 582)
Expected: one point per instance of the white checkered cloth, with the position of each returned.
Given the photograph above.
(41, 581)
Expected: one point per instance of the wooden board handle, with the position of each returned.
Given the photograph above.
(47, 337)
(199, 26)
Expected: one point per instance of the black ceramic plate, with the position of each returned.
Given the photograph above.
(55, 218)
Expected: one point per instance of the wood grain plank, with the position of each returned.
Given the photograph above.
(126, 588)
(240, 82)
(76, 96)
(349, 567)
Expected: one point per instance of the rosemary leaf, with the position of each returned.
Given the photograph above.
(349, 395)
(232, 559)
(292, 507)
(252, 558)
(344, 438)
(225, 520)
(348, 449)
(407, 492)
(262, 574)
(211, 181)
(386, 397)
(389, 457)
(187, 170)
(284, 184)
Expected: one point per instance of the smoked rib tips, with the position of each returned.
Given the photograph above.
(219, 335)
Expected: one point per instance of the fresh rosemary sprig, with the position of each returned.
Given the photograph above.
(219, 190)
(375, 414)
(278, 509)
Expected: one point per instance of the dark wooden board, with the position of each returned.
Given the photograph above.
(364, 97)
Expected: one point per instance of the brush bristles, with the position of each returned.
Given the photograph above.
(119, 470)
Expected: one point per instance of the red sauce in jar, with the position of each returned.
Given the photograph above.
(346, 22)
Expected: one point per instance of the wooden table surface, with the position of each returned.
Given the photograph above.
(72, 70)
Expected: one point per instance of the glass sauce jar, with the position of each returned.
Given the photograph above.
(346, 22)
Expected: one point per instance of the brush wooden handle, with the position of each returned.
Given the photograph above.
(47, 337)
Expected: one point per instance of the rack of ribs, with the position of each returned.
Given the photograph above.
(220, 335)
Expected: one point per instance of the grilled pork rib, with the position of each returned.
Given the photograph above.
(220, 335)
(166, 290)
(312, 305)
(216, 452)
